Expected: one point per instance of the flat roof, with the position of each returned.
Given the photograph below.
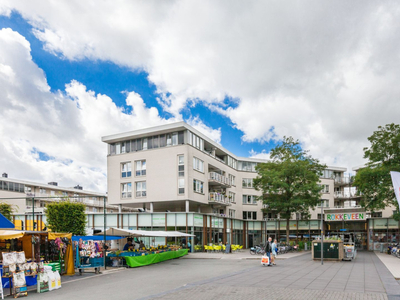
(53, 187)
(177, 126)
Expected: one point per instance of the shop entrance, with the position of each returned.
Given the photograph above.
(358, 228)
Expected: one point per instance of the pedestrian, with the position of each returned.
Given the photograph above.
(268, 249)
(274, 248)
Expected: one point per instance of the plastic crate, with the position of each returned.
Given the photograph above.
(96, 262)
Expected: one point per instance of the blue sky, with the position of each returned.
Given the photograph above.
(246, 75)
(105, 77)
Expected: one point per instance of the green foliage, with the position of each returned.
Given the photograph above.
(66, 216)
(301, 245)
(374, 182)
(289, 182)
(6, 210)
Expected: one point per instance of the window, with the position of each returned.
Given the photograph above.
(141, 168)
(198, 164)
(232, 213)
(123, 147)
(247, 182)
(141, 189)
(117, 148)
(42, 191)
(195, 141)
(174, 139)
(324, 188)
(126, 189)
(249, 215)
(28, 189)
(232, 180)
(325, 203)
(169, 139)
(376, 214)
(231, 197)
(198, 186)
(94, 209)
(126, 170)
(144, 143)
(181, 174)
(247, 166)
(249, 199)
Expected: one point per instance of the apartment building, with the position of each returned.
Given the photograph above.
(28, 198)
(175, 168)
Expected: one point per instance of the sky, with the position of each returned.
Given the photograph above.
(245, 73)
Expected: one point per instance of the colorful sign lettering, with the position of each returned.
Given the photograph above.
(345, 217)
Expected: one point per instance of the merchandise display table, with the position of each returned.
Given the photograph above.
(139, 261)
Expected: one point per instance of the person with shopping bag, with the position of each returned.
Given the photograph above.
(266, 260)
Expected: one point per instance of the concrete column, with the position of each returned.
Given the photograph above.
(151, 207)
(198, 209)
(120, 208)
(187, 206)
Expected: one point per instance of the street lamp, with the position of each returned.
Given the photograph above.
(322, 232)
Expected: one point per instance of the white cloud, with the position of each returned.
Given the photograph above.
(67, 127)
(214, 134)
(326, 72)
(261, 155)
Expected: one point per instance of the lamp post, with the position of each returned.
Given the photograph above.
(104, 232)
(322, 232)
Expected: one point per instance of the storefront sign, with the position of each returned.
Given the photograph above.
(198, 220)
(159, 221)
(345, 217)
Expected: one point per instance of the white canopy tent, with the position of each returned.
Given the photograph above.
(143, 233)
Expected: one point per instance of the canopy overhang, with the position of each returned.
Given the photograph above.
(143, 233)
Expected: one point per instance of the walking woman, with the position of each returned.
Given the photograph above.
(274, 248)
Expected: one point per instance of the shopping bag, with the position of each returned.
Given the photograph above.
(265, 260)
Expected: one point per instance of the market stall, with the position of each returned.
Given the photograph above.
(89, 252)
(146, 255)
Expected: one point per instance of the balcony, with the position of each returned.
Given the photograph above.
(38, 210)
(218, 198)
(343, 180)
(345, 195)
(218, 179)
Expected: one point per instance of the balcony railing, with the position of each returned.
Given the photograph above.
(343, 180)
(213, 176)
(345, 195)
(219, 198)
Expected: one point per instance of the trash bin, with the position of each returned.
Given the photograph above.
(382, 248)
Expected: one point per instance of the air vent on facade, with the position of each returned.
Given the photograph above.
(5, 175)
(53, 183)
(78, 187)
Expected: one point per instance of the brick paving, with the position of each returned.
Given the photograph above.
(299, 278)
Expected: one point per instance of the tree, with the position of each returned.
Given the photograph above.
(6, 210)
(289, 181)
(373, 182)
(66, 216)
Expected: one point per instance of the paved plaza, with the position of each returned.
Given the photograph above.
(297, 277)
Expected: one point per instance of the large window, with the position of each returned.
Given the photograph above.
(141, 189)
(196, 141)
(198, 186)
(232, 197)
(249, 199)
(198, 164)
(126, 189)
(247, 166)
(232, 213)
(140, 168)
(324, 188)
(126, 170)
(249, 215)
(247, 182)
(232, 180)
(12, 187)
(181, 174)
(325, 203)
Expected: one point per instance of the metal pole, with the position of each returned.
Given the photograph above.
(322, 232)
(33, 227)
(104, 232)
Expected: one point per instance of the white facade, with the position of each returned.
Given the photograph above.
(176, 168)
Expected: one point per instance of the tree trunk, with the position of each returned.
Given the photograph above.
(287, 231)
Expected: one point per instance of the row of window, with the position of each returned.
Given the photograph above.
(12, 186)
(140, 189)
(249, 199)
(198, 186)
(140, 169)
(324, 188)
(152, 142)
(198, 164)
(181, 174)
(247, 182)
(249, 215)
